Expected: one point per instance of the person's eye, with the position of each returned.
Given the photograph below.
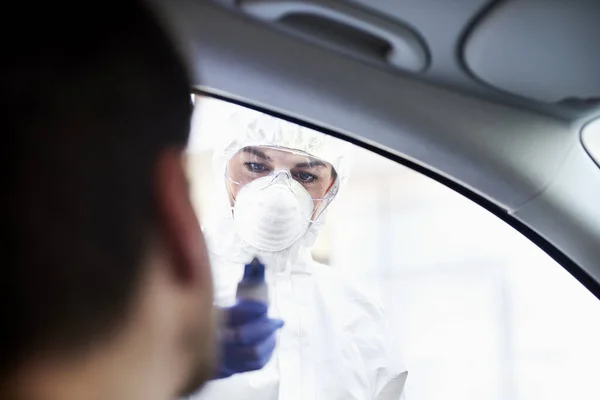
(306, 177)
(255, 167)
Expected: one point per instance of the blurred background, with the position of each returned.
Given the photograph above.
(479, 311)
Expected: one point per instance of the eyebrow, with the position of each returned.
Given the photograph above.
(256, 152)
(312, 164)
(309, 164)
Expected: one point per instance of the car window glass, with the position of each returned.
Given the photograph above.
(478, 311)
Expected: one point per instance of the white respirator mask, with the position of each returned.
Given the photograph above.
(273, 212)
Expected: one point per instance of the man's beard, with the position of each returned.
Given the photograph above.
(201, 374)
(201, 343)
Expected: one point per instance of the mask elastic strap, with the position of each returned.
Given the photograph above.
(230, 198)
(227, 177)
(331, 193)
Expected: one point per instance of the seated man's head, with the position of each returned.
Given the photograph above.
(106, 281)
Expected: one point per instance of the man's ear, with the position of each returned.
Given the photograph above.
(178, 222)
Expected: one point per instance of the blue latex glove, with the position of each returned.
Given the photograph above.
(247, 339)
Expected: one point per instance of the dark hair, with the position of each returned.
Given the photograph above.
(94, 92)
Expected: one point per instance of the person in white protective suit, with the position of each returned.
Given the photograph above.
(278, 180)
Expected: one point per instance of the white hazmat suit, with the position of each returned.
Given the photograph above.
(335, 343)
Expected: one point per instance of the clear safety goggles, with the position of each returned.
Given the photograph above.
(316, 176)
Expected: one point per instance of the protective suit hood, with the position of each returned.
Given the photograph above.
(248, 128)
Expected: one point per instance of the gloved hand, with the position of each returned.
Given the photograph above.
(247, 338)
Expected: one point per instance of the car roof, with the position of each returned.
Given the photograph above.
(494, 110)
